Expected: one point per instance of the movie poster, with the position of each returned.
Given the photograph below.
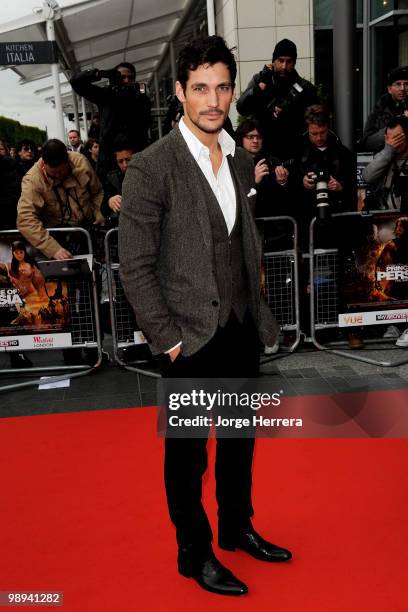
(374, 263)
(28, 303)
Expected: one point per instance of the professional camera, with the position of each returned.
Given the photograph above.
(272, 162)
(321, 178)
(115, 81)
(285, 101)
(294, 92)
(114, 76)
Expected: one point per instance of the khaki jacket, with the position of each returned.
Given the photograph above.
(80, 198)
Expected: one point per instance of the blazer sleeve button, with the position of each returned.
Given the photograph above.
(214, 302)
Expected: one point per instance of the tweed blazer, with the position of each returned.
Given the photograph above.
(166, 251)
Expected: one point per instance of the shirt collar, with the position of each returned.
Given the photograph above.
(195, 145)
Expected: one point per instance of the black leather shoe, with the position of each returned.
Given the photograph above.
(214, 577)
(257, 547)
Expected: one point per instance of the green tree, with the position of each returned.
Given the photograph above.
(12, 131)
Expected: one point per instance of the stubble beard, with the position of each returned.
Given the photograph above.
(208, 129)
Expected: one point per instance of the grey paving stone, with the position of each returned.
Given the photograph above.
(292, 373)
(391, 375)
(310, 373)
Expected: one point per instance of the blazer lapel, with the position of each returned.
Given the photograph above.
(193, 177)
(200, 191)
(251, 243)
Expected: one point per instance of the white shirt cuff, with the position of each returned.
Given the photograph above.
(172, 348)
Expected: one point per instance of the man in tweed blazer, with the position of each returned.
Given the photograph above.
(190, 265)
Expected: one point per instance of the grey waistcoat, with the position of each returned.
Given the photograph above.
(229, 265)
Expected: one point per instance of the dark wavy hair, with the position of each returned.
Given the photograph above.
(209, 50)
(19, 245)
(398, 120)
(90, 143)
(244, 128)
(26, 142)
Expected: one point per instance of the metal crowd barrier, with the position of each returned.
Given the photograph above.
(280, 284)
(123, 320)
(82, 304)
(281, 274)
(325, 269)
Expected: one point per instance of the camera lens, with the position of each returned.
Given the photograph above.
(322, 194)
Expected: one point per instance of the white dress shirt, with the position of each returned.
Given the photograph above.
(222, 185)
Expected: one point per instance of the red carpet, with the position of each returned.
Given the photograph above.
(83, 511)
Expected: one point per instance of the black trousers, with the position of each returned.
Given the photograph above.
(232, 353)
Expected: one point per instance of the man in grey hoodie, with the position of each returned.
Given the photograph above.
(387, 171)
(392, 104)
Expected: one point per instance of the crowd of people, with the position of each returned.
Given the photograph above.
(283, 125)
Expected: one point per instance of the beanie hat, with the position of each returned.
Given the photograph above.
(397, 74)
(284, 47)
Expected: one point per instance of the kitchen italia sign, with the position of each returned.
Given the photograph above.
(17, 53)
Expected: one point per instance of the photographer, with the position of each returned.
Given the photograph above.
(392, 104)
(323, 162)
(277, 97)
(326, 177)
(273, 178)
(388, 171)
(61, 189)
(123, 109)
(112, 200)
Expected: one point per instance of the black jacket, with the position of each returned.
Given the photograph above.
(275, 200)
(112, 186)
(9, 193)
(122, 110)
(384, 110)
(22, 167)
(339, 162)
(272, 199)
(280, 131)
